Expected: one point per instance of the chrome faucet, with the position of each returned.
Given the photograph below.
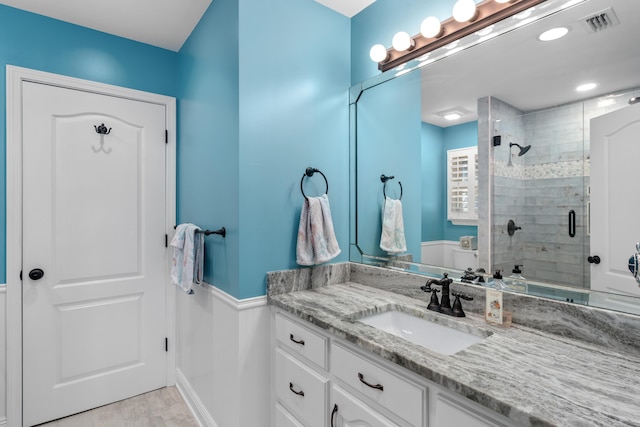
(444, 305)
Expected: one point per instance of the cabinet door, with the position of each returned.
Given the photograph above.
(347, 411)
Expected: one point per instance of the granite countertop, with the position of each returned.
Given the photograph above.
(532, 377)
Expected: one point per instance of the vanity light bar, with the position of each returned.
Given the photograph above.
(487, 13)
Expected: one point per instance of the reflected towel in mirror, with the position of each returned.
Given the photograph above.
(392, 238)
(316, 239)
(188, 257)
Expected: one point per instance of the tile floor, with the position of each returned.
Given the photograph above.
(160, 408)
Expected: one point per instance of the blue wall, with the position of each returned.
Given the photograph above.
(379, 22)
(208, 128)
(434, 183)
(294, 82)
(435, 143)
(276, 97)
(392, 147)
(40, 43)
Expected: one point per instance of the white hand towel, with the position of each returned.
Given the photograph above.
(188, 257)
(316, 239)
(392, 238)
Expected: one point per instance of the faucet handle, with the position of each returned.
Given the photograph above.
(434, 304)
(463, 296)
(457, 310)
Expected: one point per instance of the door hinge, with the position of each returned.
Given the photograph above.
(166, 136)
(166, 240)
(166, 344)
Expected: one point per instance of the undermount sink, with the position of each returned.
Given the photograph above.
(440, 338)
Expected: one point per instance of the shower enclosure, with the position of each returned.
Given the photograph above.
(544, 191)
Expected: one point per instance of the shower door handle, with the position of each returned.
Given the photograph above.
(572, 223)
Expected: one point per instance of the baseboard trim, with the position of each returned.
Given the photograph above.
(238, 305)
(193, 401)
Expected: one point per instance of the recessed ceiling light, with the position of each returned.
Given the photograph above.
(524, 14)
(585, 87)
(453, 113)
(553, 34)
(485, 31)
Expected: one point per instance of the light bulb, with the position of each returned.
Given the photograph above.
(402, 41)
(464, 10)
(378, 53)
(431, 27)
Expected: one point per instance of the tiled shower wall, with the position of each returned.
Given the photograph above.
(539, 189)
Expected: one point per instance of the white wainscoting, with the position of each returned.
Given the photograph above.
(441, 252)
(3, 352)
(223, 357)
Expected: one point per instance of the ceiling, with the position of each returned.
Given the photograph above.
(162, 23)
(529, 74)
(348, 8)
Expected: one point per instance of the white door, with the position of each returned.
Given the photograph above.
(94, 223)
(615, 198)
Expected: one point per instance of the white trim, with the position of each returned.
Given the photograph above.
(191, 398)
(3, 288)
(231, 301)
(15, 77)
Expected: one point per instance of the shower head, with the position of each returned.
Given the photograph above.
(523, 150)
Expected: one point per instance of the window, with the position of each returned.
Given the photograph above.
(462, 186)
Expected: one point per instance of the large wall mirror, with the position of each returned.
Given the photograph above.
(532, 176)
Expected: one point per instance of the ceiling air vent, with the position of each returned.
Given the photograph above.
(600, 21)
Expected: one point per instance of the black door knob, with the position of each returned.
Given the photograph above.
(594, 259)
(36, 274)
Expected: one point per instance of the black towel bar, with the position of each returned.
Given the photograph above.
(222, 231)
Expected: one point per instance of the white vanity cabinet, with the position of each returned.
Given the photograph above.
(387, 390)
(301, 383)
(320, 380)
(347, 411)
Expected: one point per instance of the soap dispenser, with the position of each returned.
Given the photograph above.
(496, 282)
(516, 282)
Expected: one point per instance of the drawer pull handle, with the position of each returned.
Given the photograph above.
(301, 342)
(333, 413)
(376, 386)
(299, 393)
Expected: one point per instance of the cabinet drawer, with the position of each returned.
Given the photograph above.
(396, 394)
(301, 340)
(349, 411)
(454, 411)
(285, 419)
(302, 391)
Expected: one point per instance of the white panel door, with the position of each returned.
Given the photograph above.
(94, 223)
(615, 205)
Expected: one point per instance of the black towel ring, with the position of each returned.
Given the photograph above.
(309, 172)
(384, 179)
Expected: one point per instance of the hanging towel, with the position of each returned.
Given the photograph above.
(188, 257)
(392, 239)
(316, 239)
